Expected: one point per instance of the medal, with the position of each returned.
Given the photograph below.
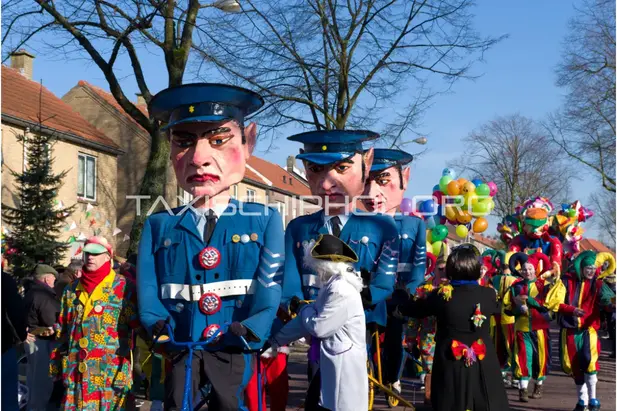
(82, 367)
(209, 332)
(209, 258)
(83, 343)
(98, 309)
(210, 303)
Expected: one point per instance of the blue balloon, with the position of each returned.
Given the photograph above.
(476, 182)
(430, 223)
(436, 188)
(449, 172)
(428, 206)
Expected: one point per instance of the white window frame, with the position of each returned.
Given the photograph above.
(86, 157)
(234, 191)
(251, 195)
(282, 209)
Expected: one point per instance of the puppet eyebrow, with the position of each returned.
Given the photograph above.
(188, 134)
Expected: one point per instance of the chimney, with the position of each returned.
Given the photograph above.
(141, 101)
(22, 60)
(291, 163)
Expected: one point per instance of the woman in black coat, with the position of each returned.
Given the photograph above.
(466, 373)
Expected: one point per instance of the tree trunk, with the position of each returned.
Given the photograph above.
(152, 185)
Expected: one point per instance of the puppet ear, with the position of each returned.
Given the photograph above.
(405, 175)
(367, 157)
(250, 134)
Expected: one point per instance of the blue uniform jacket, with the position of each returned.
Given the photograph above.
(375, 240)
(170, 279)
(412, 258)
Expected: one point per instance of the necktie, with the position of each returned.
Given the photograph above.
(335, 224)
(210, 224)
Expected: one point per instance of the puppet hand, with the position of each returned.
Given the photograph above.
(397, 313)
(578, 312)
(295, 305)
(366, 276)
(237, 329)
(367, 299)
(400, 296)
(521, 300)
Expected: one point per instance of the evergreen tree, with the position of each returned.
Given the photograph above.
(36, 221)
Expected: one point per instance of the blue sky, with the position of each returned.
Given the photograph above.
(518, 77)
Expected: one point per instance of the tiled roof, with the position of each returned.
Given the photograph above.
(26, 99)
(111, 100)
(280, 177)
(594, 245)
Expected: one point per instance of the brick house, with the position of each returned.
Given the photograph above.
(88, 154)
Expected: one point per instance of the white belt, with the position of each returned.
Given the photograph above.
(403, 267)
(194, 292)
(310, 280)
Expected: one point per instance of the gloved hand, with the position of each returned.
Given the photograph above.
(367, 299)
(366, 276)
(400, 296)
(159, 328)
(296, 304)
(237, 329)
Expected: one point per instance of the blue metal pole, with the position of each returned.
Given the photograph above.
(259, 390)
(187, 400)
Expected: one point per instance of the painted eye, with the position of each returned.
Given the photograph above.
(341, 168)
(219, 141)
(350, 269)
(184, 142)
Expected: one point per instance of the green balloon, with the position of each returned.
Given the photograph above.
(483, 190)
(439, 232)
(481, 207)
(443, 183)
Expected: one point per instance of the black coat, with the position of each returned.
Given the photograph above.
(13, 314)
(42, 306)
(456, 387)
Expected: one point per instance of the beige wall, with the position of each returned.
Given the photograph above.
(65, 158)
(132, 165)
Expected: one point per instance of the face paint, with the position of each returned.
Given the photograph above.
(589, 272)
(384, 191)
(336, 184)
(208, 158)
(528, 272)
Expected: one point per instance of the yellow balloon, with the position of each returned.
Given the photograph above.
(451, 213)
(436, 247)
(461, 231)
(429, 247)
(463, 217)
(468, 187)
(429, 236)
(471, 199)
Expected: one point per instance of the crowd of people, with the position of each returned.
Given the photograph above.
(227, 273)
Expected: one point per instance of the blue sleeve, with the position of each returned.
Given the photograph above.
(151, 308)
(417, 259)
(267, 290)
(292, 281)
(382, 281)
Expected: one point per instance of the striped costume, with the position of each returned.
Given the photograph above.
(503, 327)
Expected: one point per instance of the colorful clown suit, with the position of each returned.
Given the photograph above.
(532, 320)
(579, 346)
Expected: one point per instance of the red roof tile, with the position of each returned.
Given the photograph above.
(26, 100)
(280, 178)
(594, 245)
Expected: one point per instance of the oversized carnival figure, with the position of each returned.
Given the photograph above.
(534, 214)
(217, 263)
(383, 193)
(509, 228)
(586, 297)
(567, 226)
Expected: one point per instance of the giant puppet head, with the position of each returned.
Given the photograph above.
(567, 225)
(387, 182)
(336, 166)
(534, 214)
(210, 143)
(509, 228)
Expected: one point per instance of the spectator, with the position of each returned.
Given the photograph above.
(42, 309)
(67, 277)
(13, 331)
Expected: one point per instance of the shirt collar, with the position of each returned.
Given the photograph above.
(218, 209)
(342, 217)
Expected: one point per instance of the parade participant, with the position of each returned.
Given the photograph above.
(465, 372)
(336, 318)
(336, 169)
(94, 333)
(424, 329)
(275, 381)
(579, 347)
(532, 300)
(383, 193)
(214, 264)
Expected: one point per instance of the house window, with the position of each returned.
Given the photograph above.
(291, 181)
(284, 179)
(234, 191)
(86, 177)
(250, 195)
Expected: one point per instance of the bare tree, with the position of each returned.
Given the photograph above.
(114, 35)
(333, 64)
(604, 206)
(585, 127)
(514, 152)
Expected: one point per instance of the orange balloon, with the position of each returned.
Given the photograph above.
(454, 188)
(468, 188)
(463, 217)
(462, 181)
(480, 225)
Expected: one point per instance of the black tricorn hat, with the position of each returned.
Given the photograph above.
(331, 248)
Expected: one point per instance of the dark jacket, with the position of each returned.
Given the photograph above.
(13, 314)
(42, 306)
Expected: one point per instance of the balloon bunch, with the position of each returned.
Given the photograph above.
(567, 226)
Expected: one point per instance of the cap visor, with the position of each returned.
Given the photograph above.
(94, 249)
(198, 119)
(323, 158)
(381, 167)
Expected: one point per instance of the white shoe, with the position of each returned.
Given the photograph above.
(396, 387)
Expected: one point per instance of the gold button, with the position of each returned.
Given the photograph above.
(324, 148)
(235, 238)
(254, 237)
(83, 343)
(82, 367)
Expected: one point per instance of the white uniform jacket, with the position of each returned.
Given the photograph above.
(337, 319)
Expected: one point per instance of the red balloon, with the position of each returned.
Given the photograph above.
(438, 197)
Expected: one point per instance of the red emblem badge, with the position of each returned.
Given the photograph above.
(82, 354)
(210, 303)
(209, 332)
(209, 258)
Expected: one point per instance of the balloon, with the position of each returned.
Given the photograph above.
(438, 196)
(461, 231)
(449, 172)
(476, 182)
(493, 187)
(462, 181)
(480, 208)
(453, 188)
(443, 183)
(480, 225)
(436, 188)
(463, 217)
(483, 190)
(406, 206)
(436, 247)
(430, 223)
(429, 236)
(468, 187)
(439, 233)
(450, 213)
(428, 206)
(429, 247)
(470, 199)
